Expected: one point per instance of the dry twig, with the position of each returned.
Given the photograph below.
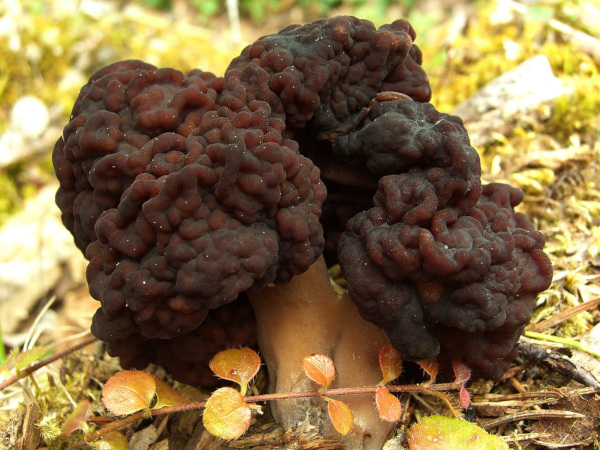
(558, 363)
(559, 318)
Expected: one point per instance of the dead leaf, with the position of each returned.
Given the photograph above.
(112, 441)
(76, 420)
(592, 364)
(571, 432)
(144, 438)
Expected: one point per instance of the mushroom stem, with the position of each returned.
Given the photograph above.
(307, 316)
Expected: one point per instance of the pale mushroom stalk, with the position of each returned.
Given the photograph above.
(306, 316)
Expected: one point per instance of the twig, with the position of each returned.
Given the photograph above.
(29, 370)
(565, 341)
(543, 414)
(120, 423)
(557, 362)
(355, 391)
(553, 394)
(520, 437)
(563, 315)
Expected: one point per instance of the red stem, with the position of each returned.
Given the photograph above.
(29, 370)
(267, 397)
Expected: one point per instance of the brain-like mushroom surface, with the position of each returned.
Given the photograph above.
(434, 256)
(183, 191)
(187, 191)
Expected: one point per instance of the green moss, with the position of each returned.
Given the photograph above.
(577, 113)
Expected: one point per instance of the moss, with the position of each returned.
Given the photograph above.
(553, 154)
(54, 54)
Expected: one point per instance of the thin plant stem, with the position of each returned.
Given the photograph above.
(2, 348)
(29, 341)
(120, 423)
(565, 341)
(29, 370)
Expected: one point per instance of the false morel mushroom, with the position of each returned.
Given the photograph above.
(195, 196)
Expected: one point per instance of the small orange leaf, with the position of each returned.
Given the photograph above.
(465, 398)
(319, 368)
(112, 441)
(226, 415)
(128, 391)
(462, 372)
(167, 396)
(431, 367)
(340, 415)
(388, 405)
(390, 361)
(76, 420)
(236, 364)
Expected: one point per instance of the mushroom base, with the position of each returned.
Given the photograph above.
(307, 316)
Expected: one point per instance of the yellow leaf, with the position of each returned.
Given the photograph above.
(236, 364)
(167, 396)
(340, 415)
(390, 362)
(388, 405)
(128, 391)
(319, 368)
(112, 441)
(226, 415)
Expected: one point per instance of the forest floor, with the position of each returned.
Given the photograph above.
(545, 141)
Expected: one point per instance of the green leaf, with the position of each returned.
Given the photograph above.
(19, 360)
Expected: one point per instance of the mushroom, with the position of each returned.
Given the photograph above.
(195, 196)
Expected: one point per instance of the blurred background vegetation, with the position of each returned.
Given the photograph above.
(49, 48)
